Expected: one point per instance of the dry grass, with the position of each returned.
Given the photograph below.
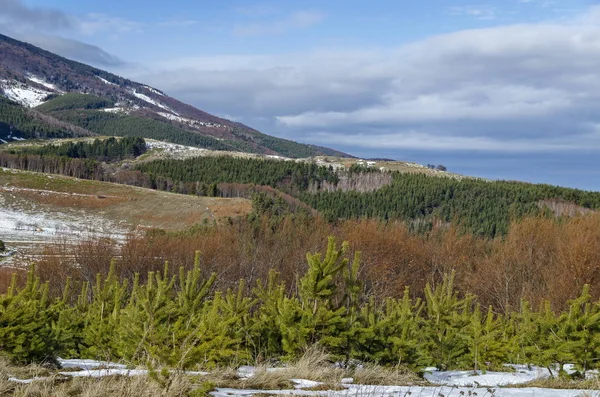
(314, 365)
(117, 386)
(565, 383)
(371, 374)
(53, 384)
(136, 206)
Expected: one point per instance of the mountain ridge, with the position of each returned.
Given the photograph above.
(32, 76)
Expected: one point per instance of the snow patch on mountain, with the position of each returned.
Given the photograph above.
(41, 81)
(106, 81)
(146, 98)
(190, 122)
(22, 93)
(157, 92)
(115, 110)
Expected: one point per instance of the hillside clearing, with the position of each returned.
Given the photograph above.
(36, 208)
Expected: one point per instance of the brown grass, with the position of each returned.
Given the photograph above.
(315, 365)
(133, 205)
(371, 374)
(53, 384)
(565, 383)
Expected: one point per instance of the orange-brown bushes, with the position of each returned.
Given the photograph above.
(540, 258)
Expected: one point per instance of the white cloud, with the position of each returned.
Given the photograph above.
(97, 23)
(482, 12)
(296, 20)
(512, 88)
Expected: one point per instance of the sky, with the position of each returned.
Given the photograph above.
(504, 89)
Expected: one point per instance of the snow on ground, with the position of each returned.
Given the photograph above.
(32, 224)
(274, 157)
(521, 375)
(41, 81)
(23, 93)
(146, 98)
(154, 90)
(97, 369)
(3, 141)
(105, 81)
(175, 150)
(87, 364)
(403, 391)
(115, 110)
(190, 122)
(93, 368)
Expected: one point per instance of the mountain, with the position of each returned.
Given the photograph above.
(48, 96)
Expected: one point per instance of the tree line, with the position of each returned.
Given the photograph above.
(111, 149)
(178, 319)
(483, 208)
(18, 121)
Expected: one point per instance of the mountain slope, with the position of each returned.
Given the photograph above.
(32, 77)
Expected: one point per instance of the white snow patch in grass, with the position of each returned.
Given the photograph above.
(401, 391)
(146, 98)
(3, 141)
(33, 224)
(99, 373)
(41, 81)
(522, 374)
(25, 381)
(87, 364)
(305, 383)
(477, 378)
(274, 157)
(22, 93)
(173, 149)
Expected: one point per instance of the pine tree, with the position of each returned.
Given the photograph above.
(25, 322)
(446, 318)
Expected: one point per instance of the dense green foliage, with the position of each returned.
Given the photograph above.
(484, 208)
(2, 246)
(18, 121)
(110, 149)
(177, 319)
(75, 101)
(230, 169)
(105, 123)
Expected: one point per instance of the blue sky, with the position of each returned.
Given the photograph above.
(499, 89)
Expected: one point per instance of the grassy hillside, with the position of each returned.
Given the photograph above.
(134, 206)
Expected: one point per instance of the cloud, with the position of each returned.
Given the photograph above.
(296, 20)
(98, 22)
(17, 13)
(527, 87)
(73, 49)
(178, 23)
(257, 10)
(481, 12)
(17, 16)
(42, 27)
